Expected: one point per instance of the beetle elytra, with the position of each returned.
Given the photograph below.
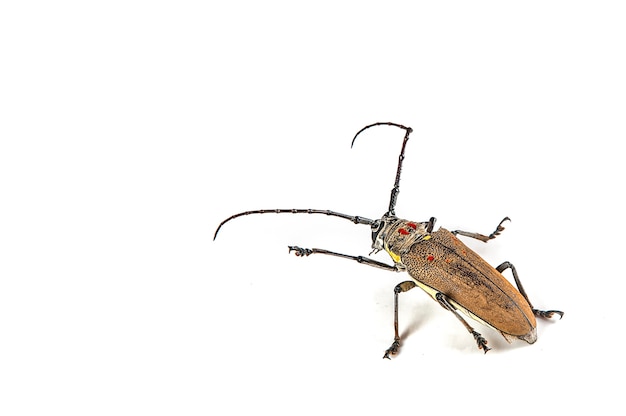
(439, 263)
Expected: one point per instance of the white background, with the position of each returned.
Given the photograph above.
(130, 129)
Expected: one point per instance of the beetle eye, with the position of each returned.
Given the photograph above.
(376, 227)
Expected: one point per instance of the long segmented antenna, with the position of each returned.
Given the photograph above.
(396, 187)
(354, 218)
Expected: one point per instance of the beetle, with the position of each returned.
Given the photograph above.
(438, 262)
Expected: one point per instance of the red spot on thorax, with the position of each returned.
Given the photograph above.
(430, 258)
(403, 231)
(412, 225)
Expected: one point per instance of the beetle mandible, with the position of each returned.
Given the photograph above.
(440, 264)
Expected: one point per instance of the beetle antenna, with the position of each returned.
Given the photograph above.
(354, 218)
(396, 186)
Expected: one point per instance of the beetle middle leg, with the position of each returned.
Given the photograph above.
(480, 340)
(400, 287)
(537, 312)
(481, 237)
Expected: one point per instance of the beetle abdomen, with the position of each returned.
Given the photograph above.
(444, 264)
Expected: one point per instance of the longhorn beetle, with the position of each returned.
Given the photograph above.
(439, 263)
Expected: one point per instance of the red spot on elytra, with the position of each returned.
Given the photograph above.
(430, 258)
(412, 225)
(403, 231)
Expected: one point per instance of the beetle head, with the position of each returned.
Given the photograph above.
(378, 234)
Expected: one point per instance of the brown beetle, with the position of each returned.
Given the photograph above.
(439, 263)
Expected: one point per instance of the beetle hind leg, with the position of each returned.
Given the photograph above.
(480, 340)
(538, 312)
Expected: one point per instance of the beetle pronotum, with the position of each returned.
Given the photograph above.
(439, 263)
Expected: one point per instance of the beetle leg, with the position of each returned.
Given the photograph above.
(480, 340)
(537, 312)
(400, 287)
(301, 252)
(482, 237)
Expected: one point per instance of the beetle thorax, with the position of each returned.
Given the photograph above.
(396, 236)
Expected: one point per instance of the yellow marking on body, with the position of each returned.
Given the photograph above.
(432, 292)
(393, 255)
(469, 314)
(426, 237)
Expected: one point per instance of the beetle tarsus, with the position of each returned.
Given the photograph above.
(482, 237)
(548, 314)
(481, 341)
(499, 229)
(300, 252)
(393, 350)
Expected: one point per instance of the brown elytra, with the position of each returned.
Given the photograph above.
(444, 264)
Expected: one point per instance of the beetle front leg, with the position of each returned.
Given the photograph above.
(301, 252)
(401, 287)
(537, 312)
(480, 340)
(481, 237)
